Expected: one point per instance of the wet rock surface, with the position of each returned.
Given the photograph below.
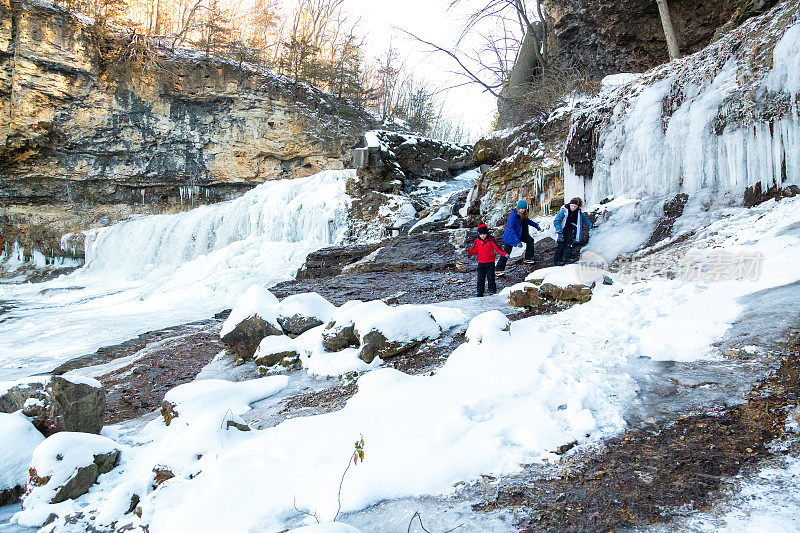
(330, 261)
(145, 368)
(424, 268)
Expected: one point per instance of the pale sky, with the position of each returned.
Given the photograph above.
(430, 20)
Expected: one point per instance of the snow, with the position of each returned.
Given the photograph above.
(194, 399)
(563, 276)
(308, 304)
(372, 140)
(275, 344)
(152, 272)
(615, 80)
(83, 380)
(332, 527)
(501, 399)
(256, 301)
(5, 386)
(488, 325)
(18, 439)
(401, 323)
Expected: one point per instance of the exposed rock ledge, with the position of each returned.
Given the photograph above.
(76, 128)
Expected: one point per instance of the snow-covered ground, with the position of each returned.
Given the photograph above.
(502, 399)
(157, 271)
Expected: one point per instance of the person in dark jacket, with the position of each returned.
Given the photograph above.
(485, 247)
(516, 234)
(569, 223)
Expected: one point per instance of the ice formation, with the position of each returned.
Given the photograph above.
(157, 271)
(717, 119)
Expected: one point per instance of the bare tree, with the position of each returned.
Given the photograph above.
(669, 31)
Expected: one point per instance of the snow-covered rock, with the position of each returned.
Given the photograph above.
(385, 331)
(524, 294)
(567, 283)
(563, 276)
(66, 465)
(254, 317)
(298, 313)
(256, 301)
(18, 439)
(57, 403)
(278, 350)
(487, 326)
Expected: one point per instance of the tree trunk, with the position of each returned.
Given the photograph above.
(157, 29)
(669, 31)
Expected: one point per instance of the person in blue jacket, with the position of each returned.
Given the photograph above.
(569, 223)
(515, 234)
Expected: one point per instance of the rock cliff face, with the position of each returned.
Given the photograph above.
(602, 37)
(524, 162)
(76, 128)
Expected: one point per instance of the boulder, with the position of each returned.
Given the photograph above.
(278, 351)
(58, 403)
(375, 344)
(244, 339)
(298, 324)
(301, 312)
(570, 293)
(18, 439)
(67, 464)
(526, 296)
(337, 337)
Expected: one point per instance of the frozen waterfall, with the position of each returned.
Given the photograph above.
(158, 271)
(648, 149)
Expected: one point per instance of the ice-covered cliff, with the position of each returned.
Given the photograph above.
(725, 118)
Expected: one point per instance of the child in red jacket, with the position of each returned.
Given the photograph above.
(485, 246)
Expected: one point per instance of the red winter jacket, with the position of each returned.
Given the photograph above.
(485, 250)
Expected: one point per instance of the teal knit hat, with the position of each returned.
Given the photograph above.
(522, 204)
